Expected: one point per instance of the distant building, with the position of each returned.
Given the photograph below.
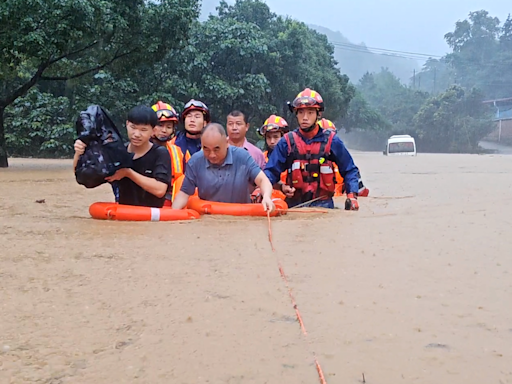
(503, 119)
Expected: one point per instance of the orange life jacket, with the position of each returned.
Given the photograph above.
(340, 186)
(177, 186)
(187, 155)
(311, 171)
(177, 167)
(176, 160)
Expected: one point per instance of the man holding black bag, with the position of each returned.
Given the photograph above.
(146, 181)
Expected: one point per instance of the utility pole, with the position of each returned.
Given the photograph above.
(414, 79)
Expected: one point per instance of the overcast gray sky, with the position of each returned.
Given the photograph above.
(405, 25)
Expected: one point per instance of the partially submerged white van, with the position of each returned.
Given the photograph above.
(401, 145)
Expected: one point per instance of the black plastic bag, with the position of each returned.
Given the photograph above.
(105, 152)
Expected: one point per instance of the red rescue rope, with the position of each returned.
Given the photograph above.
(295, 307)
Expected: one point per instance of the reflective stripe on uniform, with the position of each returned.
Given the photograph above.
(177, 163)
(295, 165)
(326, 169)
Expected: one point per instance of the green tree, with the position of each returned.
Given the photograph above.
(454, 121)
(248, 58)
(362, 116)
(43, 129)
(65, 55)
(475, 45)
(474, 34)
(395, 102)
(498, 74)
(63, 40)
(506, 33)
(305, 58)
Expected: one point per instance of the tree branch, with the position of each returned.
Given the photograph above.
(25, 87)
(97, 68)
(53, 61)
(39, 75)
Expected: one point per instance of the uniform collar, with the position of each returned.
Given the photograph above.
(182, 135)
(319, 135)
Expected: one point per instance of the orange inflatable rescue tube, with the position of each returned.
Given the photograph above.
(120, 212)
(214, 208)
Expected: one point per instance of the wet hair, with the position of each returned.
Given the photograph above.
(237, 113)
(215, 126)
(142, 115)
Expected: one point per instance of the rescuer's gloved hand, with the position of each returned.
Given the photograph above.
(351, 203)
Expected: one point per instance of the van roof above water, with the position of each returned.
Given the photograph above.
(401, 137)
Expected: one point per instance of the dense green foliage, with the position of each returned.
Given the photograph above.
(442, 106)
(54, 48)
(121, 53)
(453, 121)
(481, 58)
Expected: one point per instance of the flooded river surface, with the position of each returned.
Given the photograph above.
(416, 287)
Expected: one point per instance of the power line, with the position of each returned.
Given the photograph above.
(365, 49)
(389, 50)
(379, 53)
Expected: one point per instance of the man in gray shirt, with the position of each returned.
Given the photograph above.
(222, 173)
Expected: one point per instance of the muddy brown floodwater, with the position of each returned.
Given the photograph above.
(416, 287)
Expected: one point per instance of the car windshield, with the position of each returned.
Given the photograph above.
(401, 147)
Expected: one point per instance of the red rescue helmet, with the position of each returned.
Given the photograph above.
(307, 99)
(196, 105)
(165, 112)
(273, 124)
(327, 124)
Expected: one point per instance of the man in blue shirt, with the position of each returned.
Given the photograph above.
(309, 154)
(195, 116)
(222, 173)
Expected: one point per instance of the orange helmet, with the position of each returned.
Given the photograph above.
(165, 112)
(307, 99)
(273, 124)
(327, 124)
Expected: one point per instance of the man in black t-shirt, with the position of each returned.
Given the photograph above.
(146, 183)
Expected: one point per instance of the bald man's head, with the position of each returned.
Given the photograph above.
(214, 142)
(216, 127)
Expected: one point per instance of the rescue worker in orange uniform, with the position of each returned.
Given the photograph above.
(272, 131)
(163, 133)
(340, 186)
(310, 153)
